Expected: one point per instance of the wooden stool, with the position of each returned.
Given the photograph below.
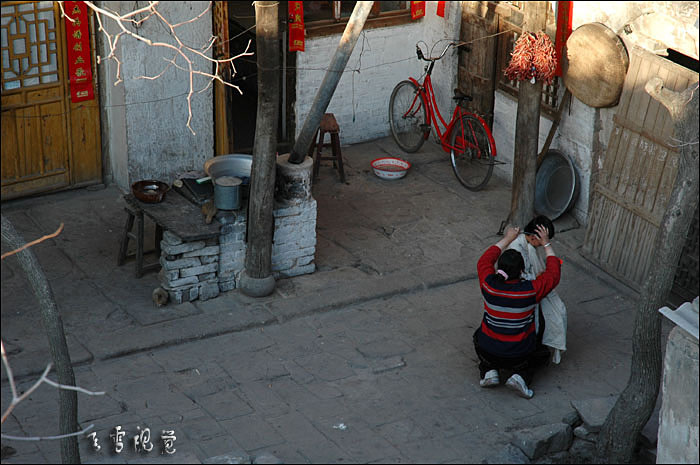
(134, 212)
(328, 125)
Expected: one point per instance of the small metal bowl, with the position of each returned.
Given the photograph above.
(149, 190)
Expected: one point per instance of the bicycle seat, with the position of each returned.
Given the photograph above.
(459, 96)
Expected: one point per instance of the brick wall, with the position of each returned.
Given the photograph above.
(203, 269)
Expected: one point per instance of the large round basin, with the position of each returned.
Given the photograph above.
(556, 185)
(237, 165)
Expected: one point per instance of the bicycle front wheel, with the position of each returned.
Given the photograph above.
(471, 152)
(408, 116)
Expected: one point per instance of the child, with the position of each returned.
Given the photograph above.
(506, 338)
(551, 307)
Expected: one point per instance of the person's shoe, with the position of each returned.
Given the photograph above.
(490, 379)
(517, 383)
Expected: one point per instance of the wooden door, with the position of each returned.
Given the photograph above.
(477, 66)
(48, 142)
(631, 190)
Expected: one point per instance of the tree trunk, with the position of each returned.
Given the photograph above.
(53, 325)
(262, 178)
(527, 130)
(620, 432)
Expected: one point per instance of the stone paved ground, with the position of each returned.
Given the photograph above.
(367, 360)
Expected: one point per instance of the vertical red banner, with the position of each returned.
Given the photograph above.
(296, 26)
(417, 10)
(78, 42)
(564, 16)
(441, 9)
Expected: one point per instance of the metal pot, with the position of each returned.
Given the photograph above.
(227, 193)
(237, 165)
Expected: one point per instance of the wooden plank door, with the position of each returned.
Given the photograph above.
(48, 142)
(477, 67)
(632, 188)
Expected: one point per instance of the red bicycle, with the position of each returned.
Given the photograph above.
(467, 138)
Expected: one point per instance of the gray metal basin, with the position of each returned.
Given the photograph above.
(238, 165)
(556, 185)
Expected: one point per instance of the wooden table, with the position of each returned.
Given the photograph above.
(179, 216)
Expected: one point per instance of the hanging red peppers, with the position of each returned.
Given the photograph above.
(533, 58)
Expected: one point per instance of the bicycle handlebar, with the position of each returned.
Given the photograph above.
(419, 52)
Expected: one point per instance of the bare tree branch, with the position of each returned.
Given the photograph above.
(29, 244)
(48, 438)
(180, 49)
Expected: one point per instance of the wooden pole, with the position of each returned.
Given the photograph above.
(257, 278)
(527, 130)
(330, 81)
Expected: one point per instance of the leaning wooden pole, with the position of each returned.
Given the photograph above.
(53, 325)
(618, 436)
(527, 129)
(330, 81)
(256, 280)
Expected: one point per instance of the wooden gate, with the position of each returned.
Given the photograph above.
(48, 142)
(477, 67)
(633, 185)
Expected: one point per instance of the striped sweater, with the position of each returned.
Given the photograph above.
(508, 326)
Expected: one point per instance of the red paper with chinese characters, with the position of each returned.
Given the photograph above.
(296, 26)
(441, 9)
(78, 43)
(417, 10)
(564, 17)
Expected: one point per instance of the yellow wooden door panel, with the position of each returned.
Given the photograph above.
(48, 142)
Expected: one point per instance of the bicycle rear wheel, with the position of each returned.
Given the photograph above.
(408, 116)
(471, 152)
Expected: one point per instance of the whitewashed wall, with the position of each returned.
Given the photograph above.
(385, 56)
(584, 130)
(144, 129)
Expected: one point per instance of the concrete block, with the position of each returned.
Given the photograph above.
(208, 290)
(301, 261)
(232, 229)
(206, 251)
(508, 454)
(294, 243)
(225, 286)
(168, 275)
(678, 418)
(293, 254)
(195, 270)
(582, 432)
(207, 277)
(193, 293)
(233, 240)
(209, 259)
(541, 440)
(181, 263)
(171, 238)
(572, 419)
(181, 248)
(593, 412)
(185, 281)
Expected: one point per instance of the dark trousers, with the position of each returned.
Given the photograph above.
(523, 366)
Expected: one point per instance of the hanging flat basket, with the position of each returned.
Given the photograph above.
(594, 65)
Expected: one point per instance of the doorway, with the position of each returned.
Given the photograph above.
(48, 142)
(242, 107)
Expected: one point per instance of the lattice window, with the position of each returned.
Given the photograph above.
(29, 45)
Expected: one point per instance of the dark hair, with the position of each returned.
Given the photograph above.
(512, 263)
(537, 221)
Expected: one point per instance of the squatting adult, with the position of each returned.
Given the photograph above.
(506, 340)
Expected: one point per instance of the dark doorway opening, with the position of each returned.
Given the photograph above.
(241, 24)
